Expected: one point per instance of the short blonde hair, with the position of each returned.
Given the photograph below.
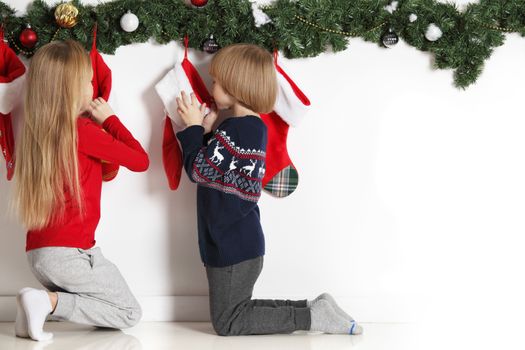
(247, 73)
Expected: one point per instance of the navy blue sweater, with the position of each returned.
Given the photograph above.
(228, 167)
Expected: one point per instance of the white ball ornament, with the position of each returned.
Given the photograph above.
(412, 18)
(129, 22)
(433, 32)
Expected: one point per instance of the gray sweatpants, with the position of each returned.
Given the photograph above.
(90, 288)
(233, 312)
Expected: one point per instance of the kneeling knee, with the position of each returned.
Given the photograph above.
(131, 317)
(221, 328)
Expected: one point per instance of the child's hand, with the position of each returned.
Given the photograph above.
(189, 111)
(210, 118)
(99, 110)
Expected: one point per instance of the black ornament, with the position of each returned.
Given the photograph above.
(210, 45)
(390, 38)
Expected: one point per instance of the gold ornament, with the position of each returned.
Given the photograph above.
(66, 15)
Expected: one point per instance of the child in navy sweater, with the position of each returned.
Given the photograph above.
(228, 165)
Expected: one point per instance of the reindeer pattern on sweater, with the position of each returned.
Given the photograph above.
(230, 168)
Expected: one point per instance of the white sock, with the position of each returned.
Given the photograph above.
(35, 303)
(21, 318)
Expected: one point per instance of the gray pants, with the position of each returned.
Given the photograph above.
(90, 288)
(233, 312)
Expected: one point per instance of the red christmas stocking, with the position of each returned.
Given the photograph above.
(11, 82)
(102, 88)
(183, 77)
(281, 177)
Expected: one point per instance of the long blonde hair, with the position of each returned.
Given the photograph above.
(47, 161)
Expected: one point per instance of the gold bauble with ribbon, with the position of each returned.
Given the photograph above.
(66, 15)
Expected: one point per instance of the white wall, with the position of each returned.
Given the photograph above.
(410, 204)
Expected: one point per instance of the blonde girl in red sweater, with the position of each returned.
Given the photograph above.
(65, 137)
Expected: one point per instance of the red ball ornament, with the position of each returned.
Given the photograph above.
(199, 3)
(28, 37)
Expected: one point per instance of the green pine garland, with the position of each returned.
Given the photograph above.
(303, 28)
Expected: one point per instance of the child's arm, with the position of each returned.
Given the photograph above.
(193, 139)
(114, 144)
(117, 145)
(197, 158)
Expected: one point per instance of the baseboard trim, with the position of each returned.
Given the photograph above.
(154, 308)
(196, 309)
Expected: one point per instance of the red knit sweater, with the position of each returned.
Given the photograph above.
(117, 146)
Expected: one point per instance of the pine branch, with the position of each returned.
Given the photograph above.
(304, 28)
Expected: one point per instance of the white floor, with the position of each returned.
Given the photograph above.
(196, 335)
